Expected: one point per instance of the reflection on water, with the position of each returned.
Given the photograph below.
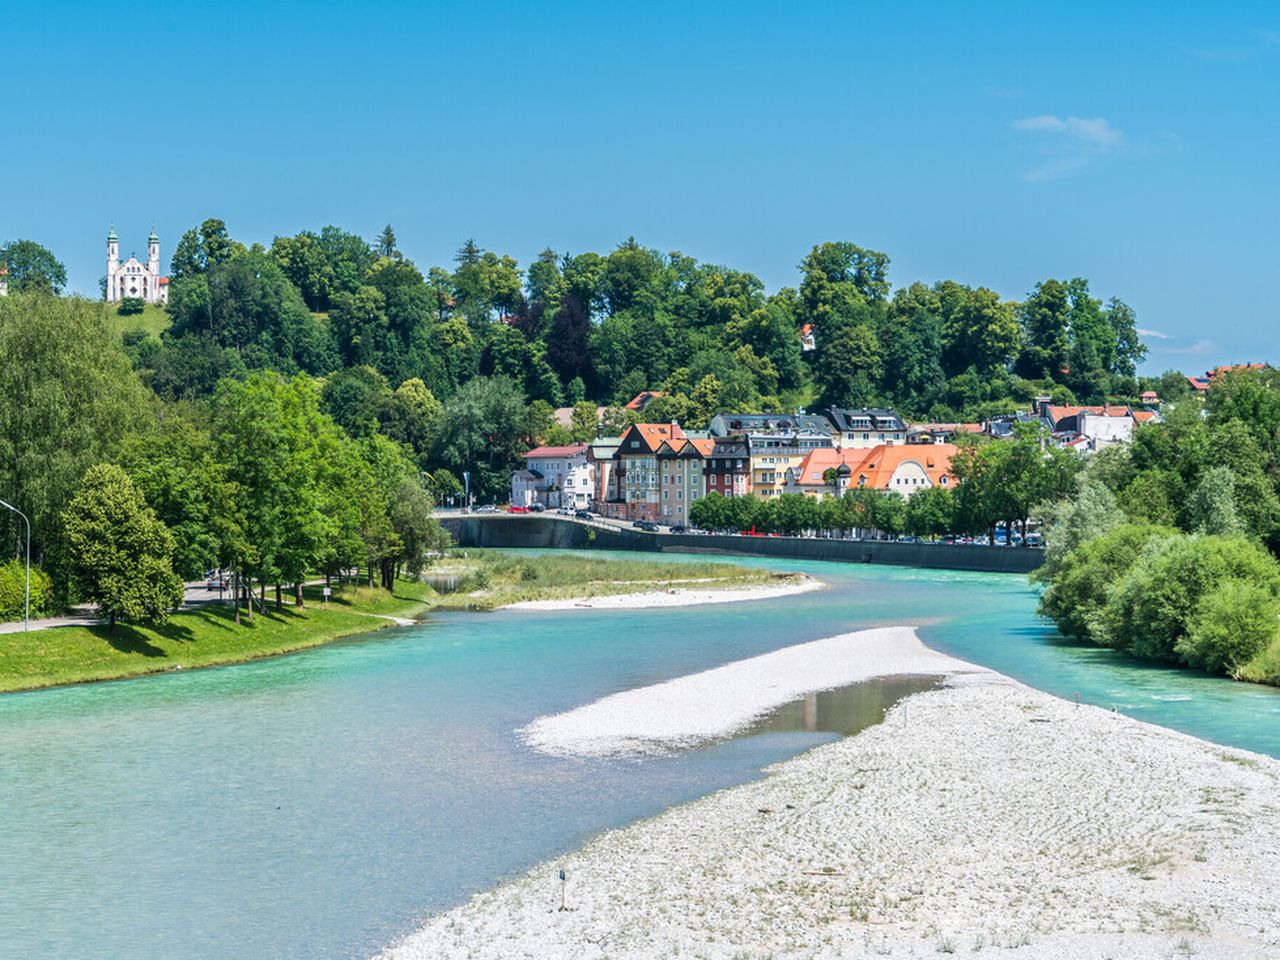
(844, 710)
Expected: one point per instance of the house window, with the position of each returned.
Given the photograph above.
(943, 481)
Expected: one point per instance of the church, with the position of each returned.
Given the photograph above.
(131, 278)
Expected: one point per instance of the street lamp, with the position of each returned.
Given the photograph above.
(26, 610)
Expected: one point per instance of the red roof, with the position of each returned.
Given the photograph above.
(571, 450)
(164, 281)
(641, 399)
(1144, 416)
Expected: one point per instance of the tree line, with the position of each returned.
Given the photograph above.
(129, 493)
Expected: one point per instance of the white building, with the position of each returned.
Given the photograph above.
(4, 279)
(131, 278)
(554, 477)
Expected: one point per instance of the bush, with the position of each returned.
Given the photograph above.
(1153, 612)
(13, 579)
(1233, 623)
(1087, 576)
(131, 306)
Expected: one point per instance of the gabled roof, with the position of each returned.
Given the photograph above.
(878, 468)
(1145, 416)
(526, 475)
(570, 450)
(650, 435)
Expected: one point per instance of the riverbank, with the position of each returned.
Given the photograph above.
(206, 635)
(980, 817)
(678, 593)
(202, 636)
(562, 581)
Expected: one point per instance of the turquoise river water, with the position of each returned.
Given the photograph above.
(319, 805)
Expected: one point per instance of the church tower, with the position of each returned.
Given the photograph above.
(153, 267)
(113, 265)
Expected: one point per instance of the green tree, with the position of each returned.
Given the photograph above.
(79, 399)
(1233, 623)
(386, 243)
(849, 365)
(120, 554)
(32, 267)
(1212, 506)
(482, 432)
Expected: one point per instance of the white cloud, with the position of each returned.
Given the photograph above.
(1070, 143)
(1096, 131)
(1154, 334)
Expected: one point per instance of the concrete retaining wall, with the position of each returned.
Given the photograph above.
(525, 530)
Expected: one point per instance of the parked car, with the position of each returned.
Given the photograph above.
(566, 511)
(582, 514)
(679, 528)
(514, 509)
(647, 525)
(487, 508)
(536, 508)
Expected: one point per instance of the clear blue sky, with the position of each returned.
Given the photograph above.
(990, 143)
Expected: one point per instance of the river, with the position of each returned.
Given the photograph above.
(319, 805)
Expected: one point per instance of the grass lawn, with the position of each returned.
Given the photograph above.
(207, 635)
(492, 579)
(199, 637)
(152, 320)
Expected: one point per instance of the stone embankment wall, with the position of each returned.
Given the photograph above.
(531, 530)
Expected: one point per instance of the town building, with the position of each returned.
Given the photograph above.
(905, 469)
(555, 477)
(602, 454)
(4, 279)
(682, 469)
(865, 427)
(774, 453)
(637, 494)
(132, 279)
(729, 467)
(823, 472)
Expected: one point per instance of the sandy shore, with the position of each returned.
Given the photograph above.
(675, 597)
(982, 817)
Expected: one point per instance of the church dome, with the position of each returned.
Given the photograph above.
(843, 470)
(111, 235)
(153, 238)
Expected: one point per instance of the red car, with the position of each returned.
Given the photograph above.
(514, 509)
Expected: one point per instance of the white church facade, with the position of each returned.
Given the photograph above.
(132, 278)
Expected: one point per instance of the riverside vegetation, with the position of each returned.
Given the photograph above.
(1167, 548)
(207, 635)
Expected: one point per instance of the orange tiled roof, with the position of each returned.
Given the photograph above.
(641, 399)
(1144, 416)
(879, 468)
(819, 461)
(652, 434)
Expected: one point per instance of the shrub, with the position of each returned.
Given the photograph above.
(1087, 576)
(1233, 623)
(13, 578)
(131, 306)
(1153, 611)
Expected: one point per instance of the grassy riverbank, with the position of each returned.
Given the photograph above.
(207, 635)
(493, 579)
